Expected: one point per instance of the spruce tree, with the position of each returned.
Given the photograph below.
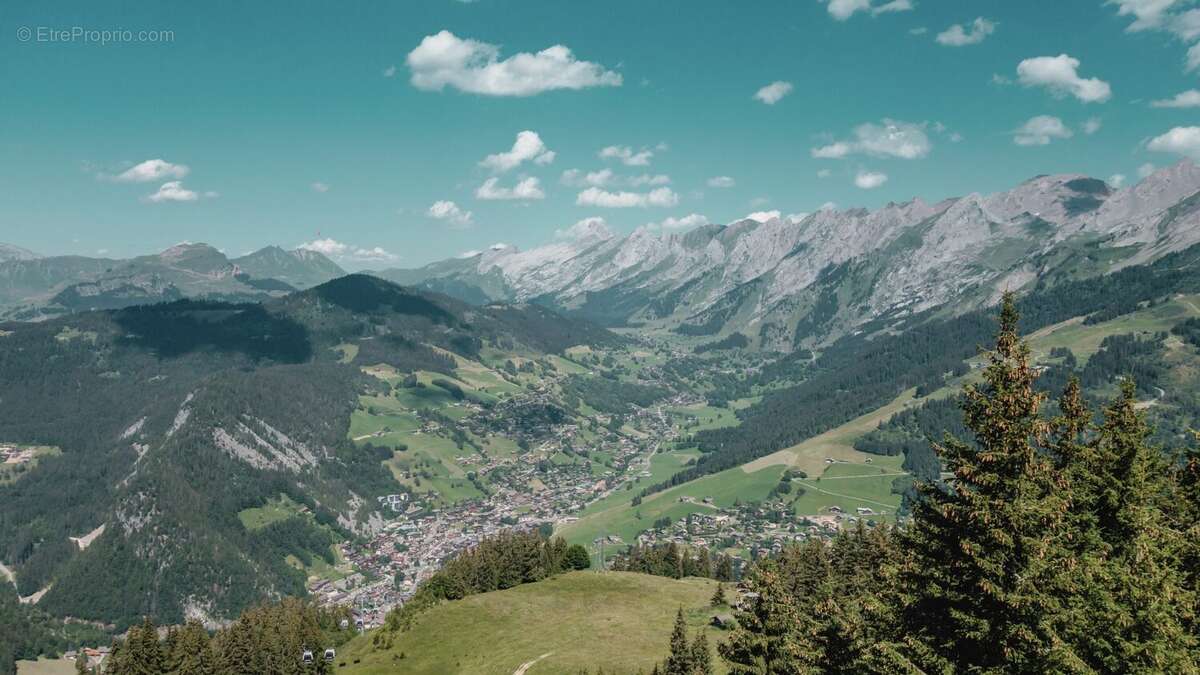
(985, 565)
(718, 596)
(1142, 624)
(680, 660)
(701, 656)
(772, 637)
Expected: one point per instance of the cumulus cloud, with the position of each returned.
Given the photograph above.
(1116, 180)
(1180, 141)
(844, 9)
(721, 182)
(763, 216)
(648, 179)
(527, 148)
(869, 180)
(152, 170)
(683, 223)
(1147, 14)
(1060, 75)
(627, 155)
(577, 178)
(340, 251)
(1040, 130)
(772, 93)
(390, 71)
(475, 67)
(173, 191)
(451, 213)
(526, 189)
(319, 187)
(1092, 125)
(892, 138)
(607, 177)
(1186, 99)
(972, 34)
(1193, 58)
(594, 196)
(1145, 170)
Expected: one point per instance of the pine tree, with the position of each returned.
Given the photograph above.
(680, 660)
(985, 564)
(718, 596)
(772, 637)
(701, 656)
(81, 664)
(725, 568)
(193, 652)
(1141, 626)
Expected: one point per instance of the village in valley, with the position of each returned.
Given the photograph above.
(508, 450)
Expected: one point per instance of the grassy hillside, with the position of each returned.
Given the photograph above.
(619, 620)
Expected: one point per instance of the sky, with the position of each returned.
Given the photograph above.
(393, 134)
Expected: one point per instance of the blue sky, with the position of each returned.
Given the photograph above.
(347, 123)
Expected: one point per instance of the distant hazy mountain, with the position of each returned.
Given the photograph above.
(787, 283)
(300, 268)
(10, 252)
(34, 288)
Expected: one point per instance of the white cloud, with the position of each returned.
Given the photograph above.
(1040, 130)
(648, 179)
(1185, 99)
(1060, 75)
(1145, 170)
(607, 177)
(390, 71)
(152, 170)
(340, 251)
(844, 9)
(527, 148)
(1193, 58)
(683, 223)
(771, 93)
(626, 155)
(1092, 125)
(893, 6)
(919, 30)
(902, 140)
(451, 213)
(594, 196)
(173, 191)
(319, 187)
(1116, 180)
(444, 59)
(763, 216)
(1147, 14)
(1180, 141)
(721, 182)
(958, 36)
(869, 180)
(526, 189)
(577, 178)
(824, 173)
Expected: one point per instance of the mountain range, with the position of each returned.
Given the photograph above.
(36, 287)
(784, 282)
(800, 281)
